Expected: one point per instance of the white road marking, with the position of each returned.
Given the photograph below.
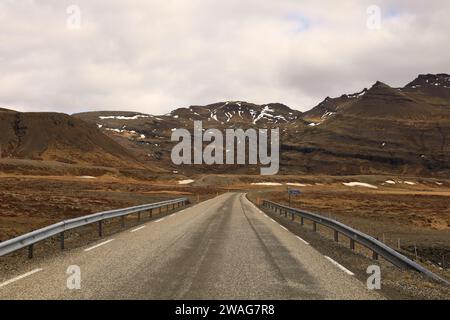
(284, 227)
(20, 277)
(340, 266)
(307, 243)
(98, 245)
(137, 229)
(159, 220)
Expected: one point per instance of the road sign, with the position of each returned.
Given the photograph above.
(294, 192)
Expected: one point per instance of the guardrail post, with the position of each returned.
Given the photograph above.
(61, 239)
(314, 226)
(352, 244)
(374, 255)
(336, 236)
(151, 213)
(139, 216)
(100, 228)
(302, 221)
(30, 251)
(292, 217)
(123, 221)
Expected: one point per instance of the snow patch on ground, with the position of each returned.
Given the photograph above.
(410, 183)
(87, 177)
(296, 184)
(359, 184)
(125, 117)
(187, 181)
(390, 181)
(266, 184)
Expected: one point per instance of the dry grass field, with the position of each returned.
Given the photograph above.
(31, 202)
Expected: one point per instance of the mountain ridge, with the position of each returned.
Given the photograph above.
(376, 130)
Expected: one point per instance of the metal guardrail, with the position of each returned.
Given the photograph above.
(377, 247)
(29, 239)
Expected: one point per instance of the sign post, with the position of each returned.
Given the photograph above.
(293, 192)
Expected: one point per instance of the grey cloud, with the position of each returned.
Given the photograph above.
(152, 56)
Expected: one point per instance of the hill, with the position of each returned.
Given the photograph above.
(60, 137)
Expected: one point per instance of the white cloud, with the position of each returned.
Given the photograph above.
(152, 56)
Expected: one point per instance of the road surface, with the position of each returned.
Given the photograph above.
(224, 248)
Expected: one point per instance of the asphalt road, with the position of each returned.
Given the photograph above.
(224, 248)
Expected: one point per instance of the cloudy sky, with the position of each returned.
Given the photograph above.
(153, 56)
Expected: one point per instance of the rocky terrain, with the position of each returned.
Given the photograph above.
(61, 140)
(377, 130)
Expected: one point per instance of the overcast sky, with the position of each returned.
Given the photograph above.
(154, 56)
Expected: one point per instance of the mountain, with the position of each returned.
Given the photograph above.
(417, 99)
(331, 105)
(149, 136)
(432, 89)
(236, 112)
(381, 130)
(378, 130)
(60, 137)
(383, 101)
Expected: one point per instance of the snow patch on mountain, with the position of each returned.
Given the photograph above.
(135, 117)
(359, 184)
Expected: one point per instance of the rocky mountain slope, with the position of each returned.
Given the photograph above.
(375, 131)
(60, 137)
(383, 129)
(148, 136)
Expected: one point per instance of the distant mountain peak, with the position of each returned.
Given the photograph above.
(380, 84)
(428, 80)
(239, 112)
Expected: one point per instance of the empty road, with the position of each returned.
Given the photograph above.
(224, 248)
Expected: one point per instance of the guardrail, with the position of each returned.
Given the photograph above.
(29, 239)
(377, 247)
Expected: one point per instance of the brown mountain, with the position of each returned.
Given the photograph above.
(60, 137)
(425, 90)
(148, 136)
(376, 131)
(331, 105)
(431, 89)
(383, 130)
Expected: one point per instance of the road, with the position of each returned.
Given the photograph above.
(224, 248)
